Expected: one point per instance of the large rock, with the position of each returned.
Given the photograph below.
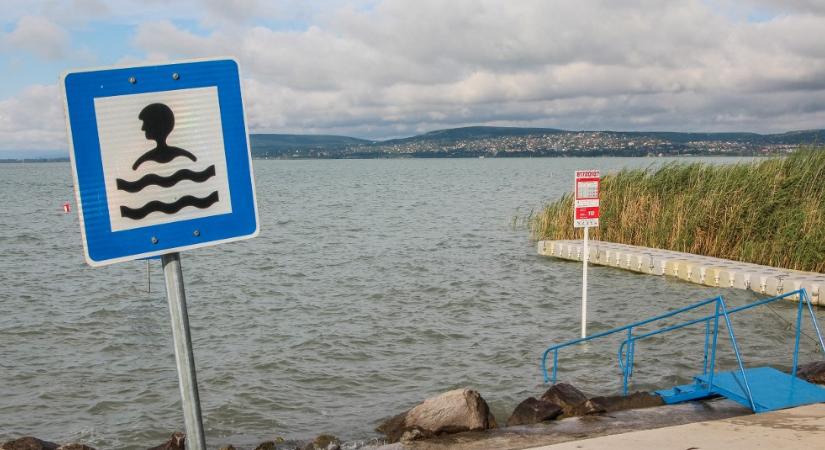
(176, 442)
(28, 443)
(564, 395)
(813, 372)
(411, 436)
(635, 400)
(532, 411)
(584, 408)
(451, 412)
(572, 401)
(324, 442)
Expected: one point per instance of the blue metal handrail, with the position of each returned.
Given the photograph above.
(626, 349)
(627, 368)
(555, 349)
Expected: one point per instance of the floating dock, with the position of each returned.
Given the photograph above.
(706, 270)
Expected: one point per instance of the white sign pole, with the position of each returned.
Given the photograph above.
(184, 357)
(586, 215)
(585, 257)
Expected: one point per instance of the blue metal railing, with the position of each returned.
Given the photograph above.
(626, 351)
(629, 328)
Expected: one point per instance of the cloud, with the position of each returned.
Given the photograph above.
(33, 120)
(392, 67)
(778, 6)
(219, 11)
(40, 36)
(90, 8)
(165, 38)
(396, 67)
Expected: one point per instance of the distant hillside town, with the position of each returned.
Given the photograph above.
(501, 142)
(529, 142)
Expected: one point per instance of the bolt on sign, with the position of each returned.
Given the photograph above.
(586, 206)
(160, 157)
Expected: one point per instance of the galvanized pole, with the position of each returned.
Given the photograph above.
(585, 256)
(183, 352)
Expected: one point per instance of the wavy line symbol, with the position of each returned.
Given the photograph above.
(171, 180)
(169, 208)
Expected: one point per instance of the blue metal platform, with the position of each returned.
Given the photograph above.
(770, 389)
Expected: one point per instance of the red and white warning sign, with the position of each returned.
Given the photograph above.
(586, 207)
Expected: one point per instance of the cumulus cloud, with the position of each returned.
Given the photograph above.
(775, 6)
(33, 120)
(388, 68)
(40, 36)
(220, 11)
(397, 67)
(165, 38)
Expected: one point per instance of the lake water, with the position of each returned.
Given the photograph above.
(373, 285)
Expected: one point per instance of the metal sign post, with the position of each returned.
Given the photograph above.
(161, 164)
(585, 257)
(586, 215)
(184, 357)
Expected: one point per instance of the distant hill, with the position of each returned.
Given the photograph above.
(499, 142)
(278, 145)
(791, 137)
(798, 137)
(477, 132)
(514, 141)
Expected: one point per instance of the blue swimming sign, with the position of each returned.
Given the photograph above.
(160, 157)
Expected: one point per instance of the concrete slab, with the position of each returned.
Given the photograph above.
(795, 428)
(692, 268)
(741, 279)
(672, 267)
(635, 262)
(714, 276)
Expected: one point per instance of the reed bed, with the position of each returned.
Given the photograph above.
(769, 212)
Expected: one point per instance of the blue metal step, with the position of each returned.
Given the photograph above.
(684, 393)
(770, 388)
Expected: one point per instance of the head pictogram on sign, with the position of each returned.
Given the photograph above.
(158, 122)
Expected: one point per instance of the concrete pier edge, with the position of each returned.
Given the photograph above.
(705, 270)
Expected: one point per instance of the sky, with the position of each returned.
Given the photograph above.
(379, 69)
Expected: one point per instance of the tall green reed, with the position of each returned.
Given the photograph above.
(769, 212)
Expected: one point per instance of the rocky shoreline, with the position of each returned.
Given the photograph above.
(461, 419)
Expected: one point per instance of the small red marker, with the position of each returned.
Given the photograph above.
(67, 207)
